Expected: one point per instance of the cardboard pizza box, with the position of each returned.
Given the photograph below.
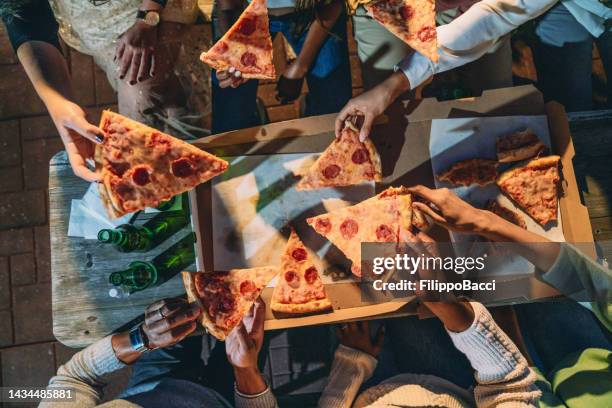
(402, 140)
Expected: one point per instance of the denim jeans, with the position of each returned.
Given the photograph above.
(553, 330)
(329, 79)
(563, 59)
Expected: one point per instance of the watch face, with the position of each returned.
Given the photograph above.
(152, 18)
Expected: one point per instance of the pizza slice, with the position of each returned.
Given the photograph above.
(345, 162)
(519, 146)
(142, 167)
(246, 46)
(471, 171)
(413, 21)
(225, 297)
(299, 288)
(377, 219)
(506, 213)
(534, 187)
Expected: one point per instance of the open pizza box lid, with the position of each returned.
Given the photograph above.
(403, 143)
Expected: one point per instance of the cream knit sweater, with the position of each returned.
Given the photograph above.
(504, 378)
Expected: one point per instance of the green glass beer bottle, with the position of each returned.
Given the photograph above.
(141, 275)
(131, 238)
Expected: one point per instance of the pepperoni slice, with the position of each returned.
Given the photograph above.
(331, 171)
(311, 274)
(140, 176)
(299, 254)
(384, 233)
(349, 228)
(360, 156)
(292, 278)
(248, 59)
(247, 26)
(406, 12)
(118, 168)
(222, 47)
(427, 33)
(182, 167)
(248, 288)
(323, 225)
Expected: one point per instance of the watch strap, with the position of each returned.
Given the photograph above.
(161, 2)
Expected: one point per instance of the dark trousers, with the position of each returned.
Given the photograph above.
(329, 80)
(563, 59)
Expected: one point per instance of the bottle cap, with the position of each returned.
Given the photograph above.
(114, 293)
(104, 235)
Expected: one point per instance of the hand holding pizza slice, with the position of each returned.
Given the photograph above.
(142, 167)
(225, 297)
(245, 51)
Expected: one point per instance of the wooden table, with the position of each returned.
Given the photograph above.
(83, 312)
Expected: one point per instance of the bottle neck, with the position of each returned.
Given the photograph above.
(139, 275)
(109, 236)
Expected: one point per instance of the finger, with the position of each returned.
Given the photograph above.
(145, 66)
(173, 336)
(126, 61)
(366, 127)
(242, 335)
(340, 119)
(180, 332)
(379, 339)
(424, 192)
(78, 164)
(430, 212)
(163, 302)
(259, 314)
(153, 69)
(430, 244)
(222, 75)
(119, 51)
(136, 58)
(177, 318)
(86, 174)
(81, 126)
(162, 309)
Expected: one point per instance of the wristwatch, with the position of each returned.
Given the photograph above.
(150, 17)
(139, 340)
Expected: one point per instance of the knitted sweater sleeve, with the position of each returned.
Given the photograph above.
(502, 373)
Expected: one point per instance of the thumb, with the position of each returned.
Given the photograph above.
(429, 211)
(366, 127)
(87, 174)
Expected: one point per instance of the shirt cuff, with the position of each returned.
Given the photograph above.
(264, 400)
(356, 357)
(104, 358)
(490, 351)
(417, 69)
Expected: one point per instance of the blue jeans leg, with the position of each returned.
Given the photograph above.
(554, 330)
(424, 347)
(234, 108)
(563, 60)
(181, 361)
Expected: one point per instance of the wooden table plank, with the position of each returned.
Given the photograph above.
(83, 312)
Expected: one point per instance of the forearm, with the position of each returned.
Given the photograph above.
(502, 372)
(537, 249)
(47, 69)
(86, 373)
(473, 34)
(325, 20)
(349, 370)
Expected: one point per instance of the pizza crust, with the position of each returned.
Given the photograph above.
(375, 157)
(192, 297)
(301, 308)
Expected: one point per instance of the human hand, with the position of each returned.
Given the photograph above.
(231, 78)
(357, 335)
(78, 135)
(135, 52)
(289, 85)
(370, 104)
(169, 321)
(243, 344)
(450, 211)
